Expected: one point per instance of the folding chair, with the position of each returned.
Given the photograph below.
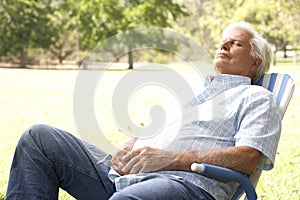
(282, 86)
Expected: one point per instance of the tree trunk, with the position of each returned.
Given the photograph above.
(23, 59)
(130, 59)
(284, 51)
(60, 60)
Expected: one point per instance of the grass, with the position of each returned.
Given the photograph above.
(46, 96)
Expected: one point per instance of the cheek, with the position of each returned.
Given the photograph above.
(243, 58)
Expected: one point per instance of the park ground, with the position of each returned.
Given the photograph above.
(30, 96)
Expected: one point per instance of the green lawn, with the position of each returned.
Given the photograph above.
(46, 96)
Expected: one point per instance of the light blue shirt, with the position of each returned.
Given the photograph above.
(228, 112)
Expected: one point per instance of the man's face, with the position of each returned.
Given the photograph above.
(233, 55)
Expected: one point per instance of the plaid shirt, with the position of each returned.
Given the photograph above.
(228, 112)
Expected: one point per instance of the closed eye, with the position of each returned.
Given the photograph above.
(237, 43)
(234, 42)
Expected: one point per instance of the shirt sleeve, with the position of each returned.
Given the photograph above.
(259, 126)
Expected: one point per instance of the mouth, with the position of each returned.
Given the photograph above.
(223, 55)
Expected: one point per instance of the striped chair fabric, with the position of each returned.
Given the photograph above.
(282, 86)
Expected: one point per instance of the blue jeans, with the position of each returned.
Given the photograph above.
(47, 158)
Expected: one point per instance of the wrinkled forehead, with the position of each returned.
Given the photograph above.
(237, 34)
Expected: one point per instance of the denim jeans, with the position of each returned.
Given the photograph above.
(47, 158)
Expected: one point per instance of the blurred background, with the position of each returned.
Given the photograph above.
(48, 33)
(44, 42)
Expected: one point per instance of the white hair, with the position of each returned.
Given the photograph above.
(260, 48)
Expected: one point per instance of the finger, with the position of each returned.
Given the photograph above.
(120, 154)
(129, 155)
(133, 166)
(135, 161)
(119, 172)
(126, 149)
(117, 162)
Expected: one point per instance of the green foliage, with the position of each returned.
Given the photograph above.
(98, 20)
(24, 24)
(274, 21)
(277, 20)
(66, 27)
(152, 13)
(59, 26)
(119, 16)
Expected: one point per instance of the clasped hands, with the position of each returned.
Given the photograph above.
(146, 159)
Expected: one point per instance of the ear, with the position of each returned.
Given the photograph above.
(255, 64)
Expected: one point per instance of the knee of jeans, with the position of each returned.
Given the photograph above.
(35, 131)
(39, 128)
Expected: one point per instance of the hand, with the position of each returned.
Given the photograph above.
(146, 159)
(117, 162)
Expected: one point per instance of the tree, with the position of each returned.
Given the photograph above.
(114, 16)
(140, 13)
(65, 23)
(278, 21)
(97, 20)
(61, 25)
(24, 24)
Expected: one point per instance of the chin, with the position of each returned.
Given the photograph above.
(219, 68)
(219, 63)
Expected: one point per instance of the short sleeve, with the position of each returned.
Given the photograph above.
(259, 126)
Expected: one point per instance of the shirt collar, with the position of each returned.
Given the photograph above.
(227, 80)
(214, 85)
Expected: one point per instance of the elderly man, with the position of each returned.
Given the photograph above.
(244, 137)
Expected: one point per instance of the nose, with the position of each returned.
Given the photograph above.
(225, 46)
